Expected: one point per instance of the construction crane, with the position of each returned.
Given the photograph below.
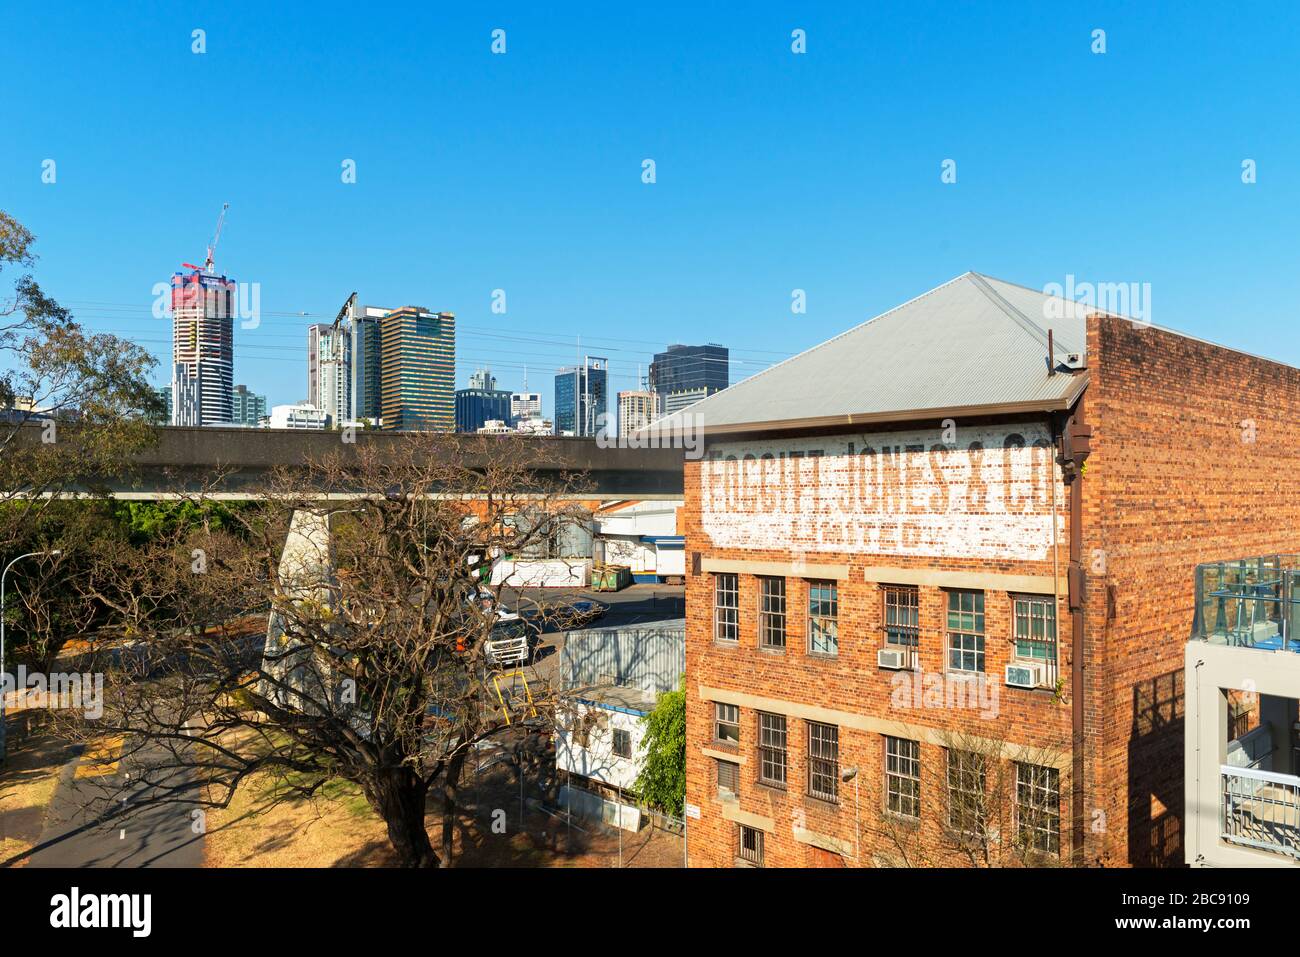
(216, 237)
(345, 311)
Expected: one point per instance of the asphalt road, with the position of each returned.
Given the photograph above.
(107, 822)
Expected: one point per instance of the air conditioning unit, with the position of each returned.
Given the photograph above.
(1026, 675)
(892, 658)
(1074, 360)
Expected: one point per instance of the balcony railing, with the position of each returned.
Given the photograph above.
(1250, 603)
(1260, 809)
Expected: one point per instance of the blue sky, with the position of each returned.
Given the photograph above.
(775, 171)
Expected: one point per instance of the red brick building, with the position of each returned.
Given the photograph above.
(940, 579)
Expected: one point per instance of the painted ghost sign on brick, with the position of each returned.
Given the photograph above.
(987, 496)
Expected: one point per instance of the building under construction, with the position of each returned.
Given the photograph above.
(203, 309)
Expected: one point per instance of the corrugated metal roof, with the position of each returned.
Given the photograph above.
(973, 343)
(650, 657)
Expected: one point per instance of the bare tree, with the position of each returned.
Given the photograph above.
(375, 667)
(996, 806)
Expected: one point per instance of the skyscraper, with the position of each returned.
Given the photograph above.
(581, 397)
(417, 369)
(481, 402)
(366, 357)
(329, 370)
(203, 309)
(682, 375)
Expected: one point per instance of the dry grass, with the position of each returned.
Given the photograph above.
(266, 827)
(28, 782)
(263, 828)
(337, 828)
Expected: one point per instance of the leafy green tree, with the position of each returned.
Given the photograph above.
(662, 782)
(74, 405)
(147, 521)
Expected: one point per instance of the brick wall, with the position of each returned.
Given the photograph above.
(1195, 459)
(943, 505)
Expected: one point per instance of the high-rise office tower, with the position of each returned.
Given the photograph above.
(203, 309)
(417, 369)
(365, 357)
(247, 408)
(682, 375)
(581, 397)
(481, 402)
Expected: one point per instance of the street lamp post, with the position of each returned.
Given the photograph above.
(4, 695)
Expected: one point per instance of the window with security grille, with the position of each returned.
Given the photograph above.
(751, 845)
(728, 779)
(1038, 807)
(726, 607)
(902, 618)
(726, 723)
(771, 749)
(823, 618)
(823, 761)
(966, 631)
(966, 791)
(622, 743)
(771, 612)
(1033, 628)
(903, 777)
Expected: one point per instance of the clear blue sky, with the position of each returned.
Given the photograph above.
(775, 171)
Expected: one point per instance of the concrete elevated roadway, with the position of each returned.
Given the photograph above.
(186, 459)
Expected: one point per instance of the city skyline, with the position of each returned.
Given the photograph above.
(750, 143)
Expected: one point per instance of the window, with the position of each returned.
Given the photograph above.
(823, 618)
(823, 761)
(903, 777)
(728, 779)
(726, 723)
(1038, 808)
(771, 612)
(771, 749)
(902, 619)
(751, 845)
(966, 631)
(726, 607)
(966, 791)
(1033, 628)
(622, 743)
